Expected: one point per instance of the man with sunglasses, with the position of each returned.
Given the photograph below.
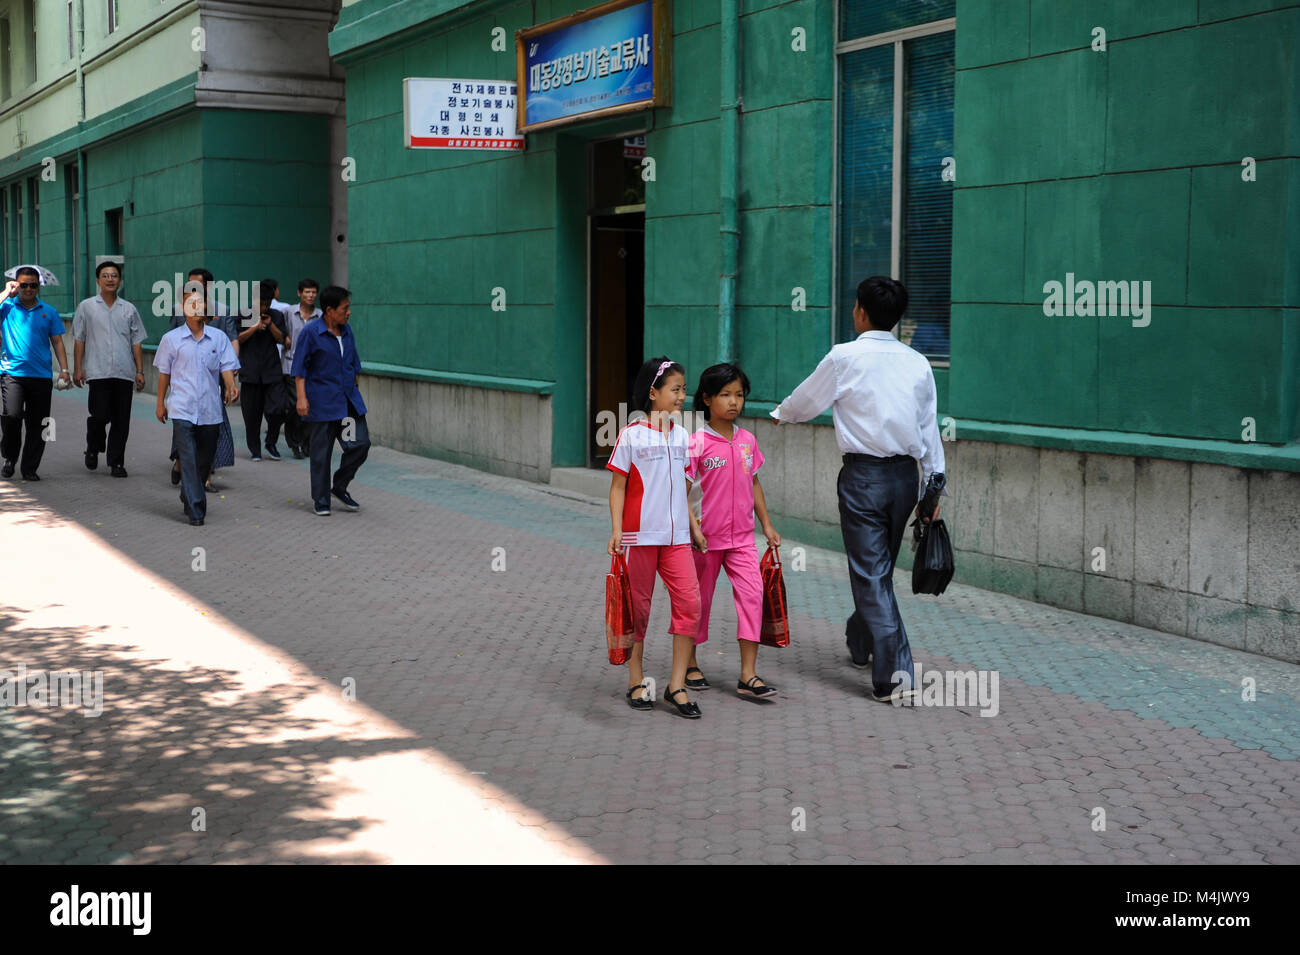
(28, 329)
(107, 352)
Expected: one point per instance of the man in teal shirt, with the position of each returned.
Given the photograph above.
(28, 328)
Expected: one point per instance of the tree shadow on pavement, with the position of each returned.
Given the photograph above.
(124, 786)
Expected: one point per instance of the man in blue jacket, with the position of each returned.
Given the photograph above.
(325, 369)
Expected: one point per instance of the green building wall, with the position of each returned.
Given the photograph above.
(243, 193)
(1127, 164)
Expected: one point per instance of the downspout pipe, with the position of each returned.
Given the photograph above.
(81, 154)
(729, 227)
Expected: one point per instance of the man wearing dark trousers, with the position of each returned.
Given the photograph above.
(107, 353)
(195, 361)
(325, 369)
(28, 329)
(261, 376)
(884, 404)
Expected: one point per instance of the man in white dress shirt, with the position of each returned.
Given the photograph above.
(884, 405)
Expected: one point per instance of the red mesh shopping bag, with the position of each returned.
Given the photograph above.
(620, 632)
(776, 631)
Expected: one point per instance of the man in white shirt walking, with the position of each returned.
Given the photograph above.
(884, 405)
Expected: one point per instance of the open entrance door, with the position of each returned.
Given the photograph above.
(616, 286)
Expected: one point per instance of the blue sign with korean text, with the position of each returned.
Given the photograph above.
(597, 64)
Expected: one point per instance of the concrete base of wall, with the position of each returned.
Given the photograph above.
(505, 432)
(1200, 550)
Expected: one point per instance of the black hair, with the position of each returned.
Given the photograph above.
(201, 272)
(884, 300)
(714, 379)
(307, 283)
(105, 264)
(648, 378)
(275, 286)
(27, 270)
(332, 296)
(266, 292)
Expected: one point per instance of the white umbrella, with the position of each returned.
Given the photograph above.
(47, 277)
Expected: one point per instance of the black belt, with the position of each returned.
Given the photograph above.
(872, 459)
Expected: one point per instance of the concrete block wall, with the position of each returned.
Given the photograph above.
(505, 432)
(1200, 550)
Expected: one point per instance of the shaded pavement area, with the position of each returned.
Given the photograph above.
(426, 681)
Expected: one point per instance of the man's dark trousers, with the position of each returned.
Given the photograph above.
(877, 497)
(110, 406)
(196, 446)
(24, 401)
(323, 434)
(257, 399)
(295, 429)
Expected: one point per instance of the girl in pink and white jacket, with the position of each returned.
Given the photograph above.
(724, 461)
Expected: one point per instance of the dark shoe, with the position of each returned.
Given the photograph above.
(92, 461)
(863, 665)
(256, 458)
(699, 683)
(33, 476)
(689, 710)
(640, 703)
(8, 469)
(346, 499)
(118, 471)
(272, 453)
(322, 511)
(196, 522)
(298, 452)
(176, 475)
(749, 688)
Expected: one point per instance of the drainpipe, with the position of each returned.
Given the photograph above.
(81, 155)
(729, 229)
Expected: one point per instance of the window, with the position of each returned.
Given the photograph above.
(72, 48)
(5, 231)
(29, 37)
(73, 206)
(114, 237)
(6, 69)
(896, 154)
(20, 221)
(34, 217)
(112, 15)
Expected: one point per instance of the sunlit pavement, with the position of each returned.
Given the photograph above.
(426, 681)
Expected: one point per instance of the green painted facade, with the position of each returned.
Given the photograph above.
(216, 188)
(1127, 164)
(1123, 164)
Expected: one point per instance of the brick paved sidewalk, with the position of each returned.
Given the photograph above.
(487, 723)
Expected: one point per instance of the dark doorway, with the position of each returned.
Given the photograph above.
(616, 286)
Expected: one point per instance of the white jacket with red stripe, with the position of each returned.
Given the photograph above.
(654, 508)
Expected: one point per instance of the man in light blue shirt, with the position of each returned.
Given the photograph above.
(194, 361)
(28, 328)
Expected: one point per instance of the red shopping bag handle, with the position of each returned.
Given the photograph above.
(772, 558)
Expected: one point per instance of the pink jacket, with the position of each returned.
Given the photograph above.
(725, 471)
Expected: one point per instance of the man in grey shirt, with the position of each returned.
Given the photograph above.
(107, 353)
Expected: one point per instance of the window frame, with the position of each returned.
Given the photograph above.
(895, 38)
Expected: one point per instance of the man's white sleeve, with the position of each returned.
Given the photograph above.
(814, 395)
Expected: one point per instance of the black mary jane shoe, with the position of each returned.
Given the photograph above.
(689, 710)
(639, 703)
(747, 688)
(699, 683)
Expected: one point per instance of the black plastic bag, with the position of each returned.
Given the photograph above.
(932, 566)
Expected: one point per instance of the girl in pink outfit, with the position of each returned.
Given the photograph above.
(724, 460)
(647, 507)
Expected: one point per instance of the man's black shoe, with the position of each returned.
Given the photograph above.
(196, 522)
(272, 453)
(346, 498)
(118, 471)
(92, 461)
(8, 469)
(298, 452)
(33, 476)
